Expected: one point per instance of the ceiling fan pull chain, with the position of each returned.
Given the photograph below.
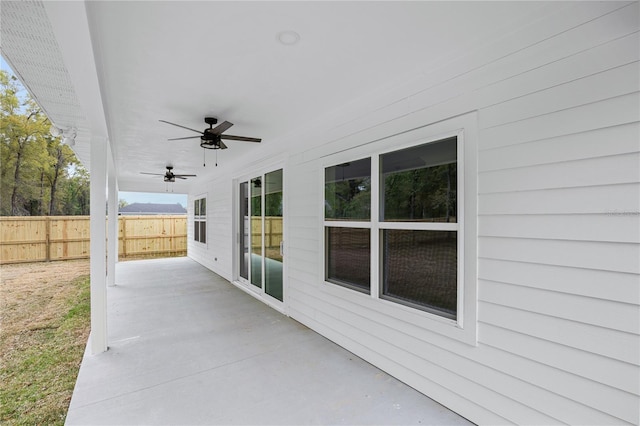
(204, 160)
(216, 158)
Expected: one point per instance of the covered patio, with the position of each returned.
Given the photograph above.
(188, 347)
(540, 101)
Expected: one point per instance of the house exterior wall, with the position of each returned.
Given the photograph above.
(556, 113)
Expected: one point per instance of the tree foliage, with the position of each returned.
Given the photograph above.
(38, 174)
(348, 199)
(422, 194)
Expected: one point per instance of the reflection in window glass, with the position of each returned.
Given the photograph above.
(243, 248)
(420, 183)
(347, 189)
(203, 231)
(256, 232)
(349, 257)
(420, 268)
(273, 234)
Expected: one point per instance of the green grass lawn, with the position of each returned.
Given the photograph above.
(44, 334)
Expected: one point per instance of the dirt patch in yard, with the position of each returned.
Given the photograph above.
(31, 294)
(44, 326)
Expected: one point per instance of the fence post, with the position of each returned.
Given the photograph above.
(124, 236)
(48, 238)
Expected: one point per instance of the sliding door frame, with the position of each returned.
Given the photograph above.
(238, 281)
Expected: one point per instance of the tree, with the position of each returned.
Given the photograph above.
(34, 165)
(76, 193)
(62, 159)
(22, 126)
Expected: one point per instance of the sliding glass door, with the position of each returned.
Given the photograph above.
(260, 233)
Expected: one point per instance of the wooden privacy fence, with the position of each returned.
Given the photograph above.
(45, 238)
(272, 231)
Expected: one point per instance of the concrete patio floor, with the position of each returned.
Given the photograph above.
(187, 347)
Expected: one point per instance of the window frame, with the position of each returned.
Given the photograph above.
(198, 219)
(464, 128)
(359, 223)
(457, 227)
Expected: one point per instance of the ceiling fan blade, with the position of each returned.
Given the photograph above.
(179, 139)
(178, 177)
(222, 145)
(221, 128)
(153, 174)
(240, 138)
(178, 125)
(184, 176)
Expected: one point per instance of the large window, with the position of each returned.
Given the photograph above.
(200, 220)
(407, 236)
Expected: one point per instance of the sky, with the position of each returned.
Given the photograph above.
(4, 65)
(158, 198)
(131, 197)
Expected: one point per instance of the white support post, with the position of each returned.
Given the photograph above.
(98, 168)
(112, 229)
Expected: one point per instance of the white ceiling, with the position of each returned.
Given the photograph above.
(132, 63)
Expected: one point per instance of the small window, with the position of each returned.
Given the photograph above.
(347, 210)
(200, 220)
(419, 257)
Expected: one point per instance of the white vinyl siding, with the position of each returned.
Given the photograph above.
(558, 229)
(556, 107)
(217, 254)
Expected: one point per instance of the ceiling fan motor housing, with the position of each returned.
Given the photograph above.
(210, 141)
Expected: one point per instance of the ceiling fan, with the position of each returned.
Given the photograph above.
(169, 176)
(211, 138)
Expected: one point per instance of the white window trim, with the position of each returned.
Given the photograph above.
(464, 127)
